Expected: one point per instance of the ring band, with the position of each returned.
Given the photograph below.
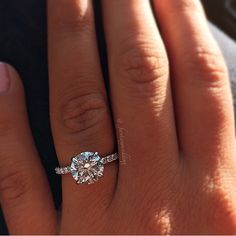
(87, 167)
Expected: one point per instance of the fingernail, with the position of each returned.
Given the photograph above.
(4, 78)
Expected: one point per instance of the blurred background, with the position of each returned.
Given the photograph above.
(223, 14)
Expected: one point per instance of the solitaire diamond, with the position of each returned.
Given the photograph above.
(87, 167)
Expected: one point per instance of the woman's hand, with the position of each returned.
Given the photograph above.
(173, 117)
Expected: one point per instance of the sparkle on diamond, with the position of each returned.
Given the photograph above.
(87, 167)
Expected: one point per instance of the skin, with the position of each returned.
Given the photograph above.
(173, 117)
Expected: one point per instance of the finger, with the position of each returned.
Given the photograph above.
(79, 111)
(141, 93)
(24, 191)
(203, 101)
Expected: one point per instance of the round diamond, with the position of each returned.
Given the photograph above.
(87, 167)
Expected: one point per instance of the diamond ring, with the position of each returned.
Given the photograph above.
(87, 167)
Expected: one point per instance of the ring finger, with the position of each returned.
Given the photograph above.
(79, 112)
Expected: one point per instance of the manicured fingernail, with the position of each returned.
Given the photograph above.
(4, 78)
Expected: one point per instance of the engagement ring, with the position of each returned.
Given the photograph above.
(87, 167)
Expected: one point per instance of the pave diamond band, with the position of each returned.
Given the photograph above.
(87, 167)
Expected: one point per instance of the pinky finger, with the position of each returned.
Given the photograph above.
(24, 192)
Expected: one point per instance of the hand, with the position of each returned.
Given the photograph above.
(175, 131)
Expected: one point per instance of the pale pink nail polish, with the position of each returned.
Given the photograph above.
(4, 78)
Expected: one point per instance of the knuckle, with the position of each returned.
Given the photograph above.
(157, 222)
(144, 67)
(14, 184)
(158, 208)
(144, 63)
(82, 111)
(207, 66)
(220, 198)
